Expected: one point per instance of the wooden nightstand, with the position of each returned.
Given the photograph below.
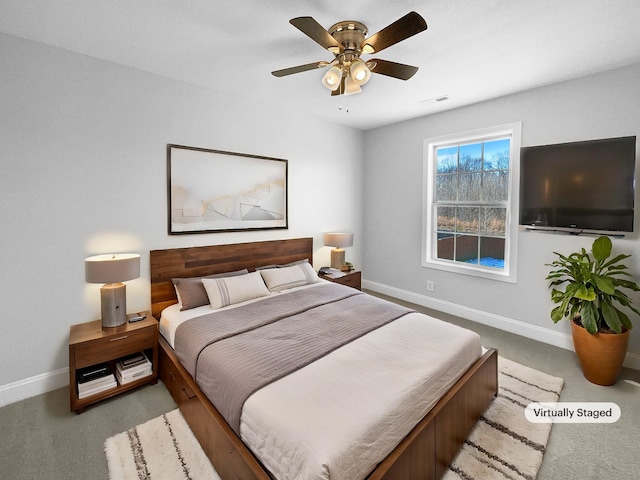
(351, 279)
(90, 344)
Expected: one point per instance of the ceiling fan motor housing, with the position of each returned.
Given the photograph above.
(350, 34)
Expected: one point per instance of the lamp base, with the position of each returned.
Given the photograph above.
(337, 258)
(113, 304)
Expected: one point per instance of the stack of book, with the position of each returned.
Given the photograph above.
(95, 379)
(332, 272)
(133, 367)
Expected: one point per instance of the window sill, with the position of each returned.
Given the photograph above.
(460, 268)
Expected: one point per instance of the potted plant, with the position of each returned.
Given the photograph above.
(347, 267)
(588, 290)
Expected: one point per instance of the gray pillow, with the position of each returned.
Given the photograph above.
(191, 292)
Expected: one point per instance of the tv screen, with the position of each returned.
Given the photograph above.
(578, 186)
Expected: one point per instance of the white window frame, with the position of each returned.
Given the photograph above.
(429, 257)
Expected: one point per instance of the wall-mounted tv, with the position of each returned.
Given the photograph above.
(579, 186)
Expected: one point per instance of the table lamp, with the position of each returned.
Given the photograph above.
(112, 270)
(339, 241)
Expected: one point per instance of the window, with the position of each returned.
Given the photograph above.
(468, 200)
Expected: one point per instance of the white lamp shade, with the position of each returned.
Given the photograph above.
(332, 78)
(112, 268)
(351, 87)
(360, 74)
(338, 240)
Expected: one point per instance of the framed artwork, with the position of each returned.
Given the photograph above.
(215, 191)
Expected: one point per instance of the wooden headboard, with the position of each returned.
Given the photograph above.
(200, 261)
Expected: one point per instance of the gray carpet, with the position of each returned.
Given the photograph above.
(41, 439)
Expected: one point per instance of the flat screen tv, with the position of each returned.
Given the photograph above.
(579, 186)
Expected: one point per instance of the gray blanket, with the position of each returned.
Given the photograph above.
(232, 354)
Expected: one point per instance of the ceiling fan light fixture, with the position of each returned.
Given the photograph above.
(332, 78)
(351, 87)
(366, 48)
(359, 72)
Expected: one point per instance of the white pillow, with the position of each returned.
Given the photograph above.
(278, 279)
(231, 290)
(191, 292)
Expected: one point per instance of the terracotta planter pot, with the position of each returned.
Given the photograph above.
(601, 355)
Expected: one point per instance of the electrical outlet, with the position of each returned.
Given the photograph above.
(429, 285)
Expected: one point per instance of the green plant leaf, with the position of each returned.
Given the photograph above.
(562, 257)
(611, 317)
(588, 317)
(625, 301)
(566, 303)
(584, 293)
(604, 284)
(626, 284)
(572, 287)
(624, 319)
(633, 309)
(557, 314)
(557, 296)
(614, 260)
(555, 275)
(619, 266)
(601, 248)
(615, 276)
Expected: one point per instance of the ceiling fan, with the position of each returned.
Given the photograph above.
(347, 40)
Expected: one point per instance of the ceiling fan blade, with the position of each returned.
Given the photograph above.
(391, 69)
(407, 26)
(300, 68)
(316, 32)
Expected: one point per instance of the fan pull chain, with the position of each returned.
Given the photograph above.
(346, 98)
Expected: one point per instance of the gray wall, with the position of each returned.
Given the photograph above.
(84, 172)
(83, 167)
(599, 106)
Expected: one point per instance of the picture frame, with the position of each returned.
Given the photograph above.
(216, 191)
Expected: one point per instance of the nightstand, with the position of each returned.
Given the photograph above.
(90, 344)
(351, 279)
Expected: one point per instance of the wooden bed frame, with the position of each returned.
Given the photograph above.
(424, 454)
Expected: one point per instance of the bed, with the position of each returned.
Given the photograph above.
(422, 453)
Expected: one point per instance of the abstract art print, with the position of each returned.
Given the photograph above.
(216, 191)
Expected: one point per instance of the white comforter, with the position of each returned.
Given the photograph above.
(340, 416)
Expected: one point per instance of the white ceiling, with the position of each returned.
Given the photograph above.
(473, 50)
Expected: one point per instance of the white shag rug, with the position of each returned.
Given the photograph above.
(502, 445)
(162, 448)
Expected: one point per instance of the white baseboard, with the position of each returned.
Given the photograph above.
(534, 332)
(30, 387)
